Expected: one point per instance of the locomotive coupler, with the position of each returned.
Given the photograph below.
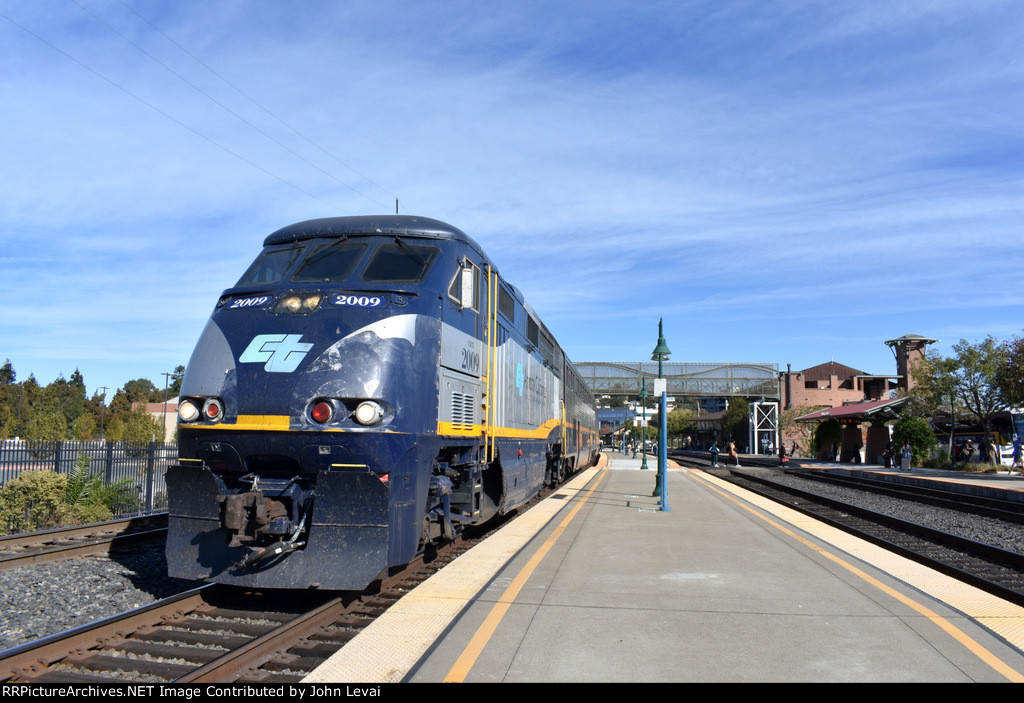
(274, 550)
(442, 486)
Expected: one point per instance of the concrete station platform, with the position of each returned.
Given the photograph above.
(598, 584)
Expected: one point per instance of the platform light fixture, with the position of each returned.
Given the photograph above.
(660, 354)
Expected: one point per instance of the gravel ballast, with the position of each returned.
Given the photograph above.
(44, 599)
(1005, 535)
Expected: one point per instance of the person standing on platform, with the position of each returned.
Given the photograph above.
(782, 454)
(714, 454)
(1018, 453)
(734, 456)
(907, 454)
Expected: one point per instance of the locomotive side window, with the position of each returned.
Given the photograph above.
(330, 264)
(270, 266)
(399, 263)
(506, 304)
(465, 286)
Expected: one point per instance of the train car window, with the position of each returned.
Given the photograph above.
(270, 266)
(506, 304)
(532, 331)
(330, 264)
(399, 263)
(465, 287)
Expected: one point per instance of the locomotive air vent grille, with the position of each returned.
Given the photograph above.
(462, 411)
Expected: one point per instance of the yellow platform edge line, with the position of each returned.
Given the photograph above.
(423, 614)
(972, 602)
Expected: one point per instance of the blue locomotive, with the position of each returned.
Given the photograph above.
(369, 386)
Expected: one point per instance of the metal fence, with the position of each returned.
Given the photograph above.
(143, 462)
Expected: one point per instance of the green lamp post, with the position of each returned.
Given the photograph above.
(661, 352)
(643, 423)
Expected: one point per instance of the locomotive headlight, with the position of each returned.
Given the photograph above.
(369, 413)
(187, 411)
(213, 409)
(299, 303)
(311, 302)
(290, 303)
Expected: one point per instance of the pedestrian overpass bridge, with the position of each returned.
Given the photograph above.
(746, 380)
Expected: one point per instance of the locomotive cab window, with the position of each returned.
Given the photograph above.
(399, 263)
(465, 287)
(330, 264)
(270, 266)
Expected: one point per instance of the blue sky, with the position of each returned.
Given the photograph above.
(788, 182)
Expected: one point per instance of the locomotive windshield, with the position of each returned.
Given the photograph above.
(396, 262)
(399, 263)
(330, 264)
(271, 266)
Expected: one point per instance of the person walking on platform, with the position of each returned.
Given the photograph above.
(890, 455)
(1018, 453)
(968, 451)
(734, 456)
(714, 454)
(782, 454)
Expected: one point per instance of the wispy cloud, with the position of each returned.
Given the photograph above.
(804, 179)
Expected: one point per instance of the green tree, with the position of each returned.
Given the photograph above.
(918, 432)
(736, 421)
(174, 388)
(969, 377)
(7, 374)
(139, 426)
(140, 390)
(681, 422)
(1010, 374)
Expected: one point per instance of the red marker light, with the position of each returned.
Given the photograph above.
(321, 412)
(212, 409)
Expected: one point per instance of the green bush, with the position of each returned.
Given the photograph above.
(919, 433)
(33, 501)
(88, 494)
(42, 500)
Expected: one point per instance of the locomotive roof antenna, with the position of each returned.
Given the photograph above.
(396, 206)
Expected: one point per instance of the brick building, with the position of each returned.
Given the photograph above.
(862, 402)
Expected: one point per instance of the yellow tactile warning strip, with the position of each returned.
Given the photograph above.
(422, 615)
(1001, 617)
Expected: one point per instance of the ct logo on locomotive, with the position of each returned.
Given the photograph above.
(280, 352)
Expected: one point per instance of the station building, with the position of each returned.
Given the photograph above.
(862, 403)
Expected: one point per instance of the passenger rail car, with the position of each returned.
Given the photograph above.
(369, 385)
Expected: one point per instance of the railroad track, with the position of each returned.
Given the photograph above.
(989, 568)
(214, 634)
(102, 538)
(220, 634)
(1009, 510)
